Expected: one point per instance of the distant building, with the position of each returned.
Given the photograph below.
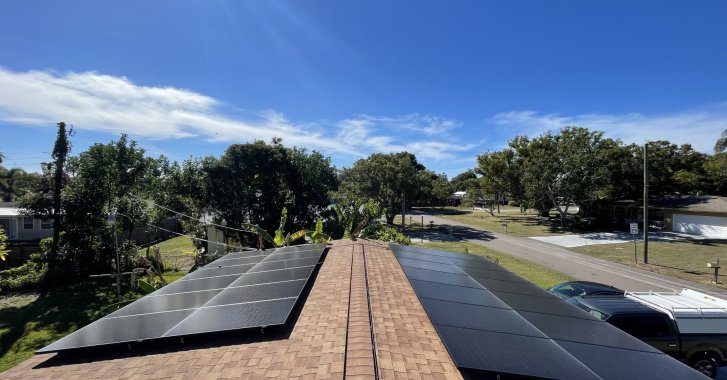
(457, 198)
(20, 227)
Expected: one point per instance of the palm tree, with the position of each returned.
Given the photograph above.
(9, 190)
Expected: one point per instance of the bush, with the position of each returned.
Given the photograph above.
(381, 232)
(30, 275)
(514, 203)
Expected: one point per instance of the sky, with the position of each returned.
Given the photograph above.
(443, 80)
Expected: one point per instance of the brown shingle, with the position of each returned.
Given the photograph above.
(407, 346)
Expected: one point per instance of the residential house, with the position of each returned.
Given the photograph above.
(19, 227)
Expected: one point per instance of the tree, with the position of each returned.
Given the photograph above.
(61, 148)
(13, 183)
(386, 178)
(567, 168)
(721, 144)
(502, 172)
(97, 183)
(252, 183)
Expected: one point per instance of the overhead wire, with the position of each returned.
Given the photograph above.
(189, 236)
(187, 216)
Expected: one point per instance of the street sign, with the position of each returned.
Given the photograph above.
(634, 232)
(634, 228)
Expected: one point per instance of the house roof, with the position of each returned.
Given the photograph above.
(9, 209)
(693, 203)
(331, 335)
(389, 312)
(689, 203)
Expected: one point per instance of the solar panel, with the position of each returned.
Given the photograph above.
(444, 292)
(234, 292)
(494, 323)
(511, 354)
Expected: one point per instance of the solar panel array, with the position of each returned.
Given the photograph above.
(494, 322)
(241, 290)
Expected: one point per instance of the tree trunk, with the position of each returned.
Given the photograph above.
(60, 151)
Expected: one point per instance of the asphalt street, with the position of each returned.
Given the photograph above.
(576, 265)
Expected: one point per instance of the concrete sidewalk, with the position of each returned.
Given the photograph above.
(576, 265)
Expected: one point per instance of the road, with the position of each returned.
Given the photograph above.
(576, 265)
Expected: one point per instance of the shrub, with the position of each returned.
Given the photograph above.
(30, 275)
(381, 232)
(514, 203)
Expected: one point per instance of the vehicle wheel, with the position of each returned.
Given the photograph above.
(705, 365)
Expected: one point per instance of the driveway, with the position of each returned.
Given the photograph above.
(570, 241)
(576, 265)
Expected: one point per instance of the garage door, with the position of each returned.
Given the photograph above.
(701, 225)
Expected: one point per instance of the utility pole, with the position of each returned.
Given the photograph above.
(646, 209)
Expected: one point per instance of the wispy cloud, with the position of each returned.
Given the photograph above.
(701, 128)
(104, 103)
(363, 131)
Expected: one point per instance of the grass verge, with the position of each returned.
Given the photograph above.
(518, 224)
(177, 253)
(539, 275)
(681, 259)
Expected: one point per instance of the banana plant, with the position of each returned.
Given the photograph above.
(280, 239)
(317, 235)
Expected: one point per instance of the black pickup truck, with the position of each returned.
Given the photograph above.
(704, 352)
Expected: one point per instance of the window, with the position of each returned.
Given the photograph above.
(46, 224)
(28, 223)
(642, 326)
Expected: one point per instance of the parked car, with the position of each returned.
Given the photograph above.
(701, 342)
(583, 288)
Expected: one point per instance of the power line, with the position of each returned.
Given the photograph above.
(188, 216)
(189, 236)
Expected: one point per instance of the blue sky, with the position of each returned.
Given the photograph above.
(443, 80)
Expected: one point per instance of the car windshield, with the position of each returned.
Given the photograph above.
(596, 313)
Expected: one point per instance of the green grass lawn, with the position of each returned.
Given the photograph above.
(518, 224)
(177, 253)
(682, 259)
(534, 273)
(32, 320)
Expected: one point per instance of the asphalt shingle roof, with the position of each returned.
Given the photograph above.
(361, 317)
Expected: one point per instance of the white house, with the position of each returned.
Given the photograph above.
(20, 227)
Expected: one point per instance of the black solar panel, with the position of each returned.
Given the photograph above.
(494, 323)
(443, 292)
(239, 291)
(428, 265)
(511, 354)
(235, 317)
(620, 364)
(478, 317)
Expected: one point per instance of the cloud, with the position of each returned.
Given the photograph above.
(361, 131)
(429, 125)
(701, 127)
(104, 103)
